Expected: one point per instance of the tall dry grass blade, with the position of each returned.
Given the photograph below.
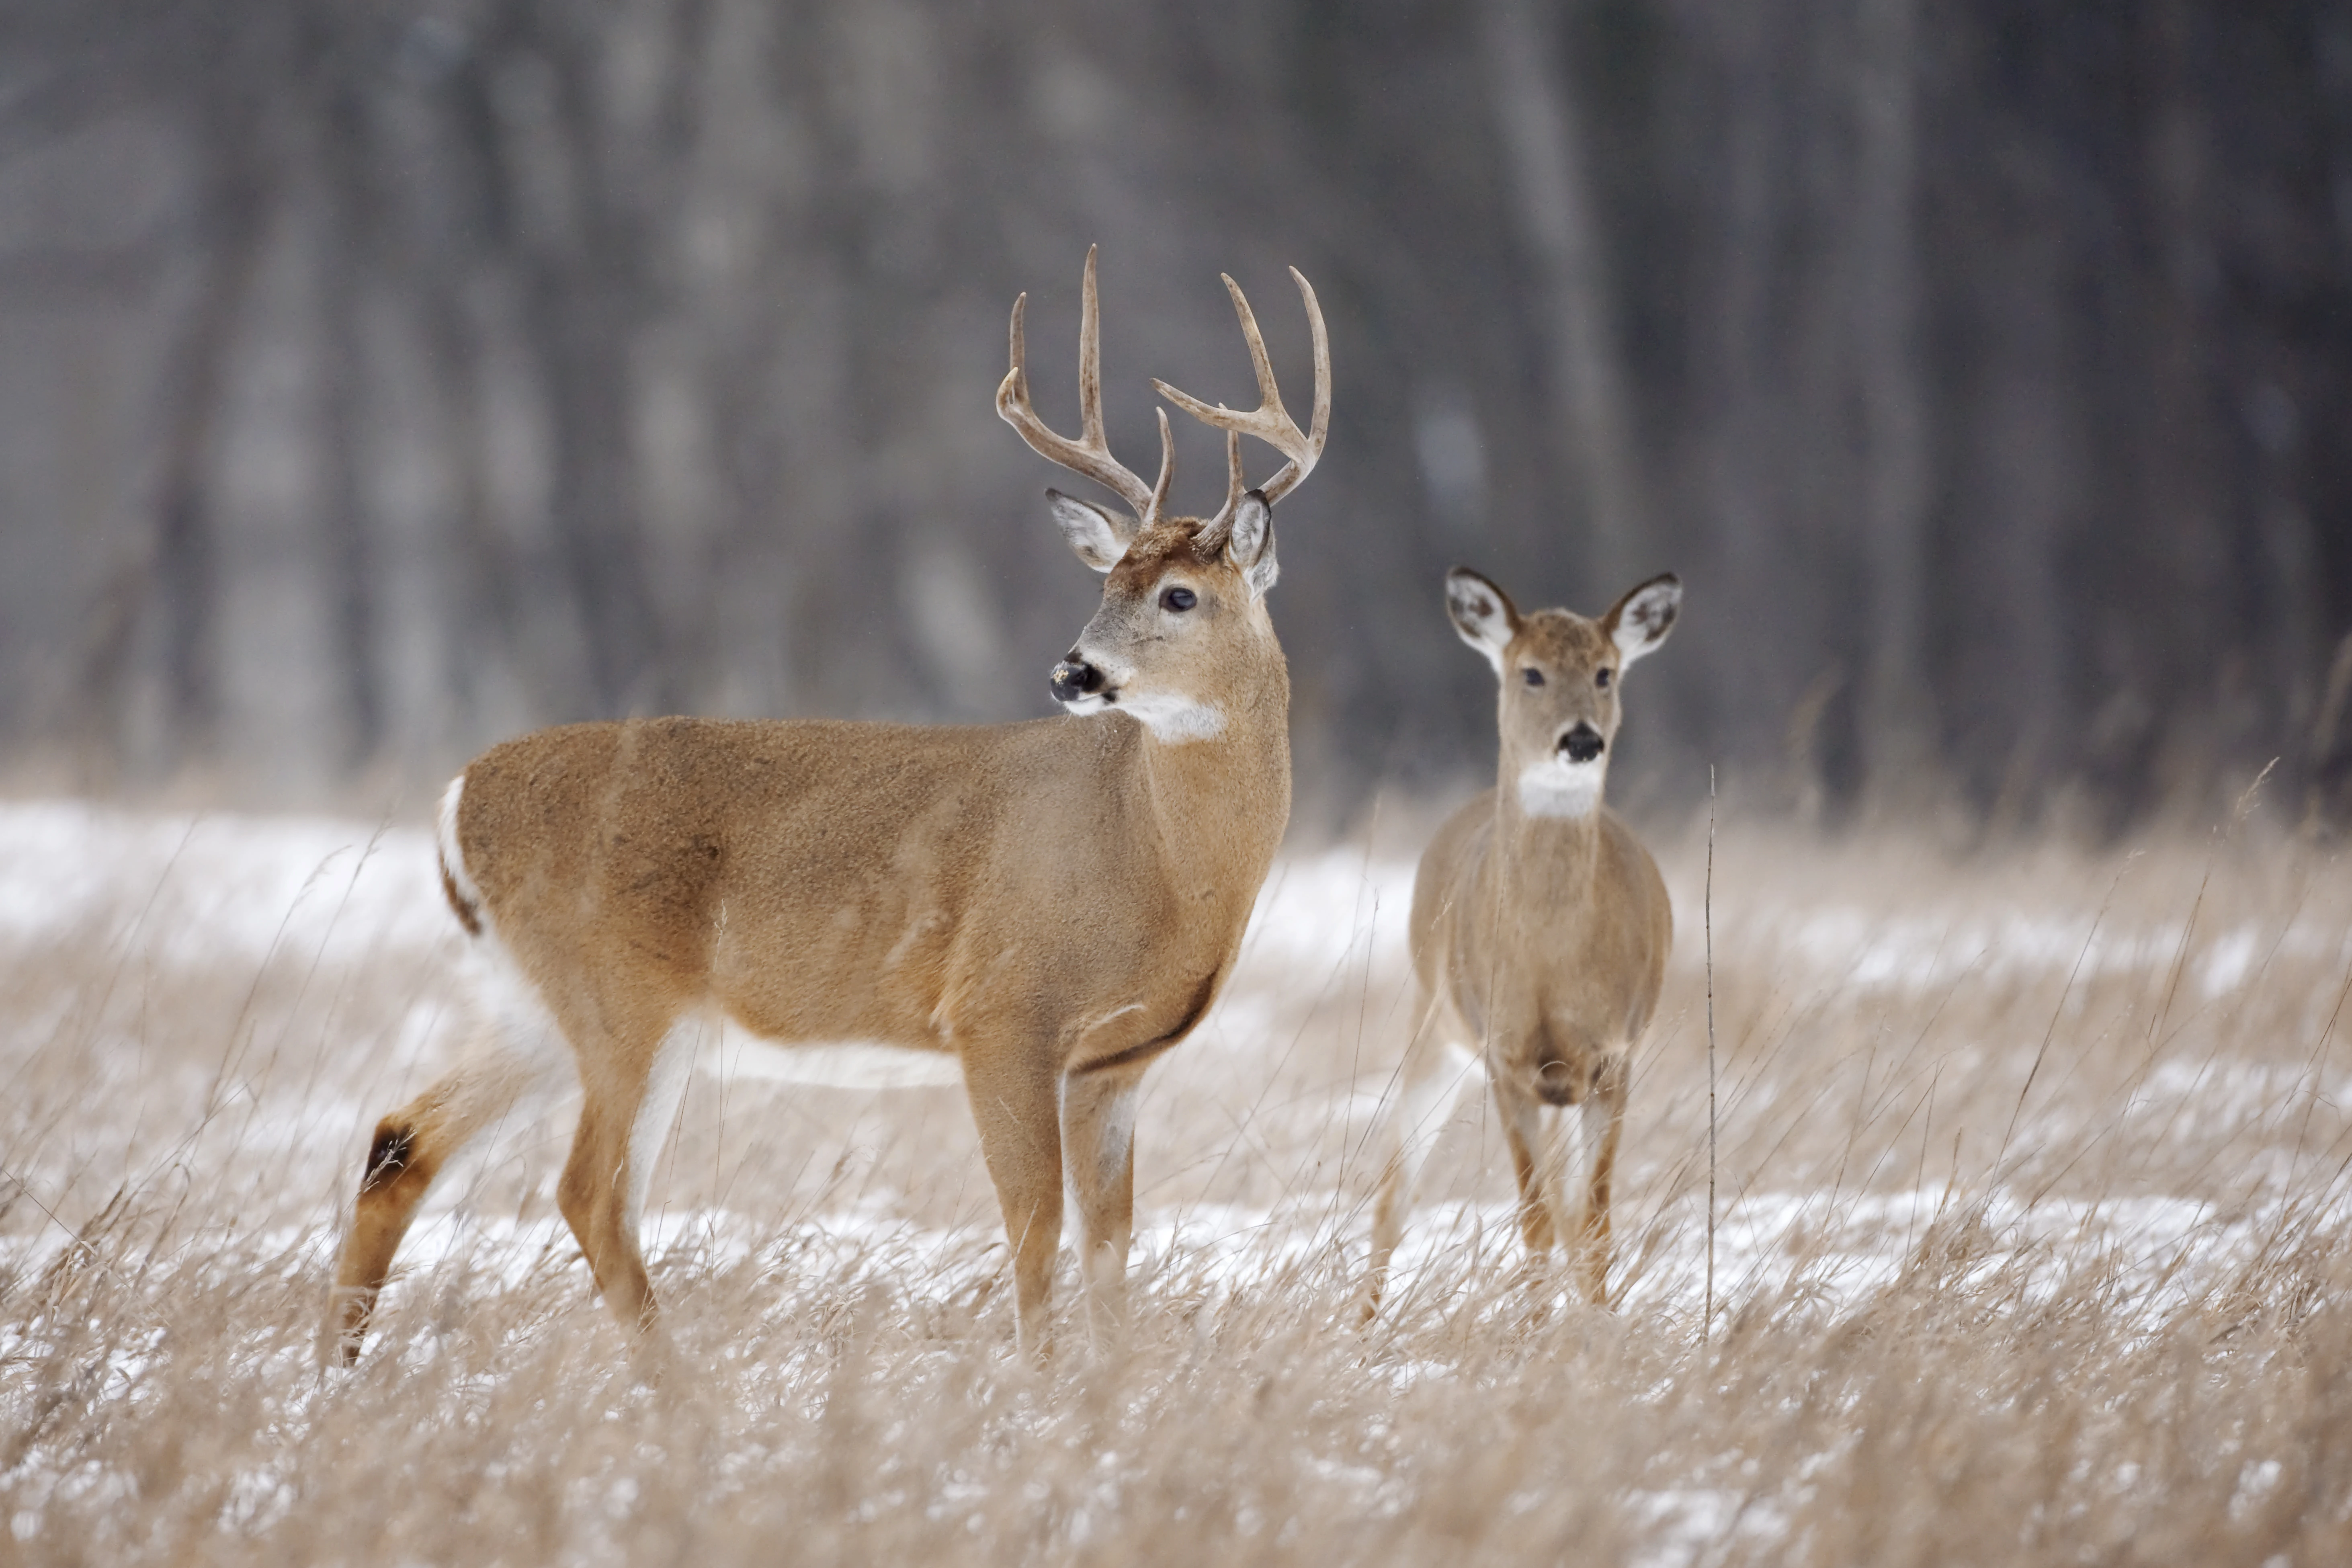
(1706, 1316)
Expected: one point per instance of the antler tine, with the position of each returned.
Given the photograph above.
(1167, 470)
(1089, 456)
(1235, 483)
(1319, 425)
(1269, 422)
(1090, 420)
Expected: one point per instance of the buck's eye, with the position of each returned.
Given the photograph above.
(1602, 677)
(1532, 675)
(1178, 599)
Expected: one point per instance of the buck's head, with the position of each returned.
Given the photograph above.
(1182, 623)
(1561, 674)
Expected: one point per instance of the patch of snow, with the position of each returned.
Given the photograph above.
(199, 891)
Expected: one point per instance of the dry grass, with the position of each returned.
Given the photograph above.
(2033, 1177)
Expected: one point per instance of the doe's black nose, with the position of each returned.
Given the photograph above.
(1583, 744)
(1074, 677)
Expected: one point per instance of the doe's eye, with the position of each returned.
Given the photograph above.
(1602, 677)
(1532, 675)
(1178, 599)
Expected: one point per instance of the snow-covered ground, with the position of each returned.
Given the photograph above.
(2020, 1094)
(238, 897)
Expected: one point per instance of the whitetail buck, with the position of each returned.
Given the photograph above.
(1540, 928)
(1038, 909)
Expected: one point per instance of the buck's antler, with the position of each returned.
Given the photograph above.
(1089, 455)
(1269, 422)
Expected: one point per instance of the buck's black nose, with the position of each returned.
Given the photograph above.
(1074, 677)
(1583, 744)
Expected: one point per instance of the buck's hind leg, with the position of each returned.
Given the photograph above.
(409, 1149)
(1015, 1104)
(630, 1094)
(1098, 1155)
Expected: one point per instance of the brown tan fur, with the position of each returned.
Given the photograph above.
(1539, 930)
(1052, 904)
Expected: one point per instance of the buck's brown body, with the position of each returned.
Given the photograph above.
(1042, 906)
(1540, 927)
(748, 866)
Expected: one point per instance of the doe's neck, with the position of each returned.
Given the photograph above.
(1547, 817)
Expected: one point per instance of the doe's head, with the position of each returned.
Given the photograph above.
(1560, 677)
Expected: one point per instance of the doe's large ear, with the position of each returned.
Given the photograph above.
(1483, 613)
(1089, 529)
(1249, 542)
(1640, 621)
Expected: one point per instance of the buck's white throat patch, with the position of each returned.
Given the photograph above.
(1174, 720)
(1556, 787)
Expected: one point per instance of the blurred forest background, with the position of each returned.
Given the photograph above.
(378, 378)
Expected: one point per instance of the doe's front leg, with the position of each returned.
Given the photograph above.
(1602, 1122)
(1534, 1162)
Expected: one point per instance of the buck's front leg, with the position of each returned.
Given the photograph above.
(1099, 1151)
(1015, 1105)
(631, 1082)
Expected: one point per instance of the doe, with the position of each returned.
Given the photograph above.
(1539, 928)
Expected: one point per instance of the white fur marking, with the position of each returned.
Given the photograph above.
(1089, 529)
(1114, 1013)
(835, 1064)
(1475, 606)
(1647, 615)
(1117, 1135)
(453, 855)
(1591, 1132)
(1174, 720)
(1556, 787)
(665, 1086)
(510, 1010)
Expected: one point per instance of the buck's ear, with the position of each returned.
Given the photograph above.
(1089, 529)
(1249, 542)
(1483, 613)
(1640, 621)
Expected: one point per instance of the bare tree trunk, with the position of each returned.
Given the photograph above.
(1899, 718)
(582, 284)
(171, 570)
(1744, 486)
(2195, 568)
(343, 513)
(1543, 148)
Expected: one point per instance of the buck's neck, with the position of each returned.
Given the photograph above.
(1221, 802)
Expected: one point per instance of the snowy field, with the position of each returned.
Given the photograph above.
(2029, 1245)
